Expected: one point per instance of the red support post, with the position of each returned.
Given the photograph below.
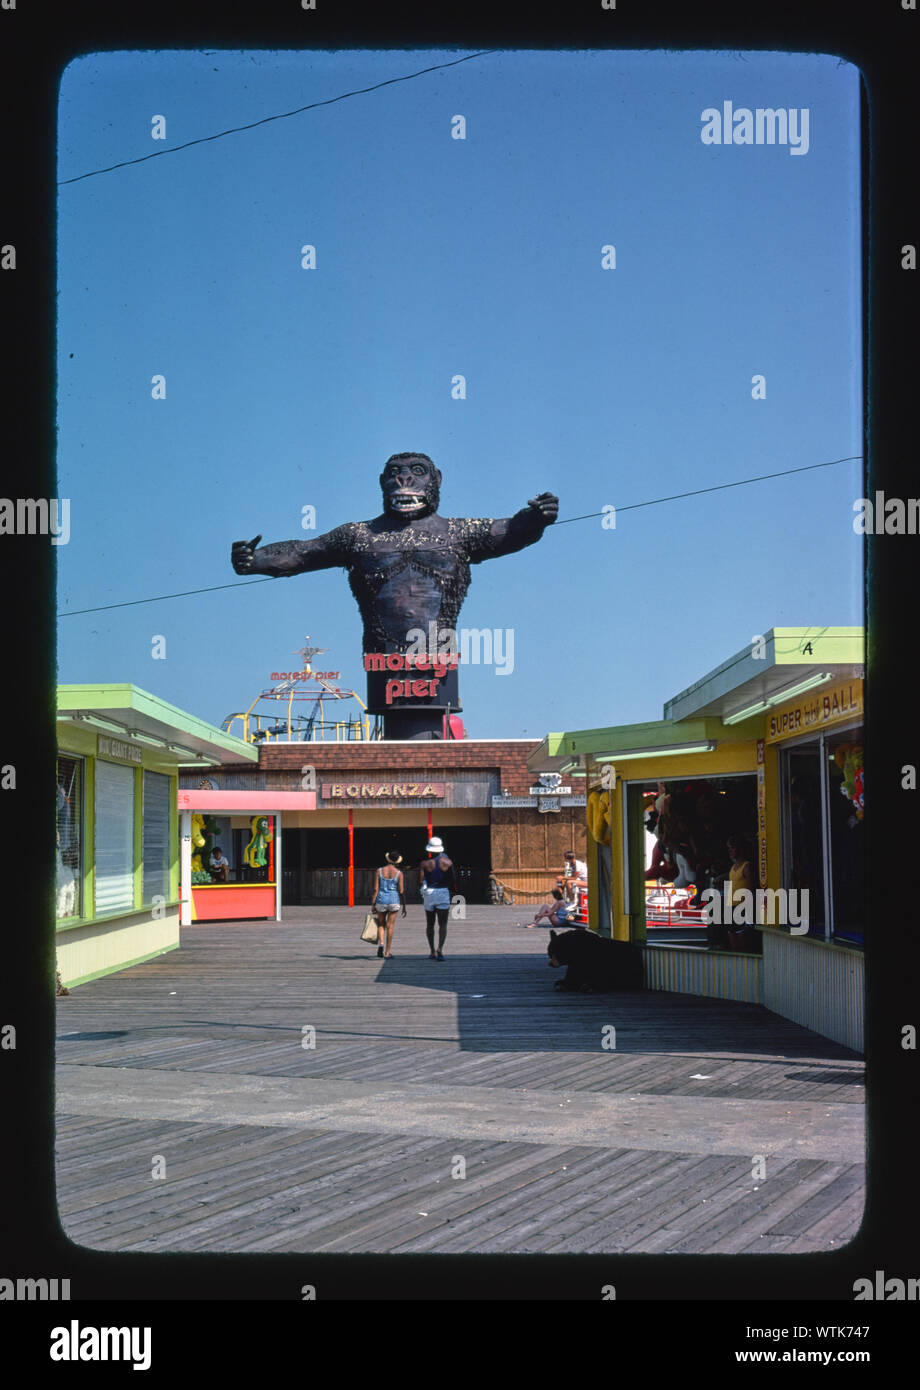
(351, 858)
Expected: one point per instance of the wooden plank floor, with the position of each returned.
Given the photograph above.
(445, 1107)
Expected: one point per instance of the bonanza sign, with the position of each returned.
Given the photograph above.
(361, 791)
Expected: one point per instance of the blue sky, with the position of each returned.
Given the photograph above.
(435, 257)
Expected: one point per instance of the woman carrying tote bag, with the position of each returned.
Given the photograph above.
(389, 892)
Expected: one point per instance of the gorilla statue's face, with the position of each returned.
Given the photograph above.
(411, 486)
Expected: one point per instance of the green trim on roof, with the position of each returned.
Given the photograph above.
(783, 646)
(660, 733)
(73, 698)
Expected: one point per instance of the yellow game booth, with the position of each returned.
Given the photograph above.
(776, 733)
(252, 821)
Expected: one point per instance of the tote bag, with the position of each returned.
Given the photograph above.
(369, 933)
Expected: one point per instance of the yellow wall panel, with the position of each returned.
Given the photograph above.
(102, 947)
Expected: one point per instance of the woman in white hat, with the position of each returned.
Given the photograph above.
(438, 885)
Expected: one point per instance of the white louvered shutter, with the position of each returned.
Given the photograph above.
(114, 838)
(156, 835)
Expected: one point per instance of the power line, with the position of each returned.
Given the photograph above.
(719, 487)
(634, 506)
(160, 598)
(282, 116)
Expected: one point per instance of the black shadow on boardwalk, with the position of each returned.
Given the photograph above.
(265, 980)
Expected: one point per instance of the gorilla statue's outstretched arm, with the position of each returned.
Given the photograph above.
(512, 533)
(283, 558)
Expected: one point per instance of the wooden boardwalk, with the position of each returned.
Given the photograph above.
(276, 1087)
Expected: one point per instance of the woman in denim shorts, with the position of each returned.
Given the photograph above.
(389, 892)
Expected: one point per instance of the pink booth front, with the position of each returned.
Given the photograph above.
(240, 900)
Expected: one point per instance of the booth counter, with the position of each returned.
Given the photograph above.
(230, 902)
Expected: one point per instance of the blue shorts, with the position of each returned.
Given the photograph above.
(433, 898)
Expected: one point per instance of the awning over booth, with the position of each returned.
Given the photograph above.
(563, 752)
(241, 802)
(786, 662)
(724, 705)
(129, 713)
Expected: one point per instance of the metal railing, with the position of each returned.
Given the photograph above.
(580, 915)
(666, 907)
(357, 729)
(330, 885)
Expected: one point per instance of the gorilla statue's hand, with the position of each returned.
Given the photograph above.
(547, 505)
(242, 553)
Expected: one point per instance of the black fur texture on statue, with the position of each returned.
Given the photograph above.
(409, 567)
(596, 965)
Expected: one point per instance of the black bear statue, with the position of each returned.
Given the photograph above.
(596, 965)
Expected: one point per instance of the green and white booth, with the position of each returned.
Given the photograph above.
(117, 892)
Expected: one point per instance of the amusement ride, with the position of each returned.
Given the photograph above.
(321, 722)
